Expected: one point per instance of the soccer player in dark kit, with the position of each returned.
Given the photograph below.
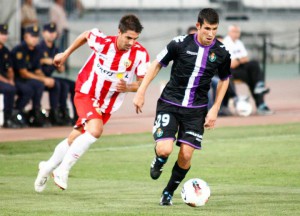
(182, 106)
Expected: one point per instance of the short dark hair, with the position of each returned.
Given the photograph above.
(130, 22)
(209, 15)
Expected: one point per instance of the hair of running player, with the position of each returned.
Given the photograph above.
(130, 22)
(209, 15)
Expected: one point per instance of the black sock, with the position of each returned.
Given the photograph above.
(177, 176)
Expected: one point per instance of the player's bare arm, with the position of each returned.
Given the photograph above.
(212, 114)
(61, 58)
(122, 86)
(151, 73)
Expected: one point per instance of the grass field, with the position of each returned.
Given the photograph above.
(251, 171)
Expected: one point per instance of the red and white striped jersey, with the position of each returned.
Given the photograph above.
(106, 66)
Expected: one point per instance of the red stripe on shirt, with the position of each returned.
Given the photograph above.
(104, 91)
(85, 72)
(111, 102)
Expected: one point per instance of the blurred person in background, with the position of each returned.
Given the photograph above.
(28, 15)
(29, 78)
(242, 68)
(58, 15)
(7, 83)
(59, 114)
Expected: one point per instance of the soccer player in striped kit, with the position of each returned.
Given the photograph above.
(182, 106)
(101, 87)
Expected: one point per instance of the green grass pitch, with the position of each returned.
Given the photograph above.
(251, 170)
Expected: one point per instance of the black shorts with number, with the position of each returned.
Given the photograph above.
(188, 122)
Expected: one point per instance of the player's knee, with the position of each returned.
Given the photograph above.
(163, 150)
(185, 156)
(96, 132)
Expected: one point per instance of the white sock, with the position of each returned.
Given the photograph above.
(79, 146)
(58, 155)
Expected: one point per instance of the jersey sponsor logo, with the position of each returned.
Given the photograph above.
(212, 57)
(191, 53)
(103, 71)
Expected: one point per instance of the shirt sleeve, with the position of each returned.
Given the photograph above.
(144, 64)
(94, 40)
(224, 68)
(167, 54)
(19, 60)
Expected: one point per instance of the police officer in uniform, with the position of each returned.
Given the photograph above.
(7, 84)
(48, 50)
(29, 78)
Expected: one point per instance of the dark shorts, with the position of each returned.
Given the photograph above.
(188, 122)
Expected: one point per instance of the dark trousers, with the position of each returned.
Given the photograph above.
(9, 92)
(54, 94)
(67, 86)
(29, 89)
(251, 74)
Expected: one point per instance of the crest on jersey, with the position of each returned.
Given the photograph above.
(127, 63)
(46, 54)
(6, 56)
(28, 58)
(19, 55)
(159, 132)
(212, 57)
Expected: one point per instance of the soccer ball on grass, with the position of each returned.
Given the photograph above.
(195, 192)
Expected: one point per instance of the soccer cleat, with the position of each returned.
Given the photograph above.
(263, 109)
(42, 178)
(61, 178)
(156, 167)
(166, 199)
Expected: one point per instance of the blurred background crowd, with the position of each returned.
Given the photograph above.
(34, 93)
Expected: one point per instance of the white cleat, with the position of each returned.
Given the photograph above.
(61, 178)
(42, 178)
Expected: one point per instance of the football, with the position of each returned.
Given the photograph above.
(243, 106)
(195, 192)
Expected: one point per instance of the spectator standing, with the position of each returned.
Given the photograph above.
(7, 84)
(28, 16)
(247, 70)
(58, 15)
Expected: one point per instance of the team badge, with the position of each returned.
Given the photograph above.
(212, 57)
(6, 56)
(46, 54)
(19, 55)
(159, 132)
(127, 63)
(28, 58)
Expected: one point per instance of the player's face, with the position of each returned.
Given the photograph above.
(206, 33)
(127, 39)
